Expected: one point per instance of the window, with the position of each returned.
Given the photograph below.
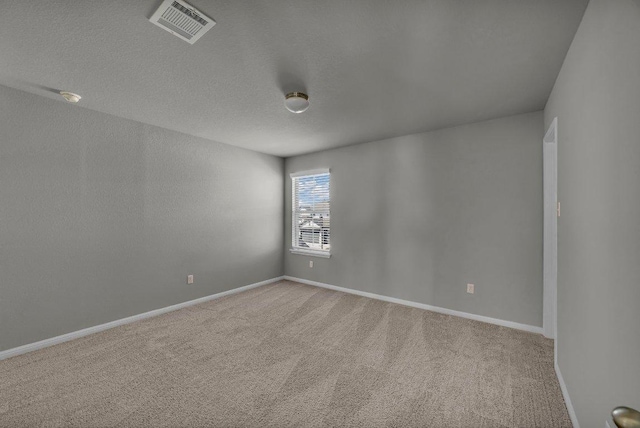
(310, 213)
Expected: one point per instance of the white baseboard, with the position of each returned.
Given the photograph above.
(567, 399)
(504, 323)
(95, 329)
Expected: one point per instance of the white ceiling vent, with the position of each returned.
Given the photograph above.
(182, 20)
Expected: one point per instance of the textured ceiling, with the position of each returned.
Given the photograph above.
(372, 69)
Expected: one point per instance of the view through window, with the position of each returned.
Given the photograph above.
(311, 211)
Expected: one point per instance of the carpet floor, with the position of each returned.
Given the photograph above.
(286, 355)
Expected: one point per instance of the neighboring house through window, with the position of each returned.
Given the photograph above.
(310, 213)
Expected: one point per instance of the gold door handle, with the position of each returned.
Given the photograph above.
(625, 417)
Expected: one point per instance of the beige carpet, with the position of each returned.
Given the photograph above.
(288, 354)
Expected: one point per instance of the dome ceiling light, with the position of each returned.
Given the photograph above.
(70, 96)
(296, 102)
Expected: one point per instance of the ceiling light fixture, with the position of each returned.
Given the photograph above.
(70, 96)
(296, 102)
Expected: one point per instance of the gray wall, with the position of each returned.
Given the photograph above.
(102, 217)
(597, 101)
(418, 217)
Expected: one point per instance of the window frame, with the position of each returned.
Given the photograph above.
(300, 250)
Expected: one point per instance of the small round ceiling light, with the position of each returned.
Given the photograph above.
(70, 96)
(296, 102)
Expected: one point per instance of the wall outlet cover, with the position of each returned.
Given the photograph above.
(471, 288)
(189, 279)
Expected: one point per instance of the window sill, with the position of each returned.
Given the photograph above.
(312, 253)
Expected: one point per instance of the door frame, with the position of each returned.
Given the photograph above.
(550, 231)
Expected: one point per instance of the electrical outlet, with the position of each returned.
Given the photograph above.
(310, 263)
(471, 288)
(189, 279)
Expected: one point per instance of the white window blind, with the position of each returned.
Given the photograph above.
(311, 213)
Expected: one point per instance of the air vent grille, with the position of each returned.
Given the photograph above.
(182, 20)
(191, 13)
